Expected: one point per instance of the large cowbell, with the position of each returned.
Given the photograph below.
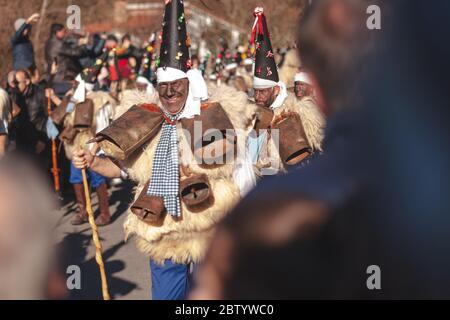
(211, 135)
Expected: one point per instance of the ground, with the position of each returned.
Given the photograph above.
(127, 269)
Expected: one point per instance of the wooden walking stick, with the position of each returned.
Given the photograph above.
(97, 243)
(55, 169)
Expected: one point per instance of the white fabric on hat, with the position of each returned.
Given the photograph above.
(198, 91)
(169, 74)
(259, 83)
(150, 88)
(80, 92)
(83, 88)
(19, 23)
(89, 87)
(142, 80)
(231, 66)
(303, 77)
(282, 96)
(248, 62)
(197, 84)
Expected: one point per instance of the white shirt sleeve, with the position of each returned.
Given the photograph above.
(3, 127)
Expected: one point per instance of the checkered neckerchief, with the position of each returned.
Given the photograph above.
(165, 181)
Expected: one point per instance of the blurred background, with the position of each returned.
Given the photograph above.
(208, 20)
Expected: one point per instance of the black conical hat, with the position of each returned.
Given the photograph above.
(147, 58)
(90, 74)
(174, 52)
(265, 65)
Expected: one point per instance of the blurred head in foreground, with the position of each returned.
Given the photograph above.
(26, 248)
(384, 202)
(275, 245)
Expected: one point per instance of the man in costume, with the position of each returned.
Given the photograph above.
(82, 115)
(287, 131)
(304, 86)
(233, 79)
(179, 198)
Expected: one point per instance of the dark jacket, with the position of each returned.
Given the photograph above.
(68, 58)
(94, 51)
(22, 49)
(30, 125)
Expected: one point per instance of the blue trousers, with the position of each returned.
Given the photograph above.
(170, 281)
(77, 178)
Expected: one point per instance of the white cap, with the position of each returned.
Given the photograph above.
(231, 66)
(248, 62)
(142, 80)
(19, 23)
(259, 83)
(150, 88)
(169, 74)
(303, 77)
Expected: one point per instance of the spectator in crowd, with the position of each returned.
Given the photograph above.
(30, 125)
(22, 48)
(95, 48)
(10, 82)
(67, 55)
(129, 57)
(5, 119)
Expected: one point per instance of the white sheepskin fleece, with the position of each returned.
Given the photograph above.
(186, 239)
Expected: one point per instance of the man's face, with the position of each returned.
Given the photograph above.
(12, 79)
(126, 43)
(110, 44)
(265, 97)
(232, 72)
(303, 90)
(173, 95)
(141, 86)
(61, 34)
(22, 82)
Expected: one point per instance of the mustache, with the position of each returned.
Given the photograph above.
(172, 94)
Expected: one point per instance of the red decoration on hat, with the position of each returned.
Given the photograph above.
(258, 13)
(269, 54)
(259, 70)
(269, 71)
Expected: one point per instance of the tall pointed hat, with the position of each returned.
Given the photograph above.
(90, 74)
(266, 73)
(145, 69)
(174, 60)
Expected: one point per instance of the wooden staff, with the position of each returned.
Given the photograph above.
(97, 243)
(55, 169)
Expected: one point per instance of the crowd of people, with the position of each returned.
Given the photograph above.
(273, 198)
(80, 67)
